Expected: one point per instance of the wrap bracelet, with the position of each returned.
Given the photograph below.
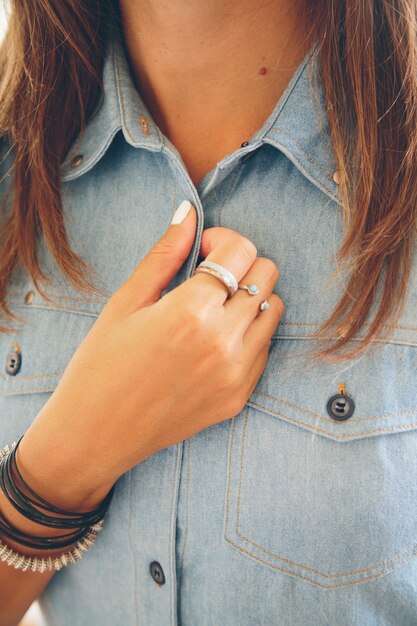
(24, 504)
(41, 543)
(43, 564)
(83, 526)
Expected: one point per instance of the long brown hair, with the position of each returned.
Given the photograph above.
(51, 62)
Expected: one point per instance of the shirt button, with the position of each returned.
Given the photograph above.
(13, 361)
(77, 160)
(157, 572)
(244, 144)
(336, 177)
(340, 407)
(144, 123)
(29, 297)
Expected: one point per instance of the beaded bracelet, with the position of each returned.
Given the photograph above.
(43, 564)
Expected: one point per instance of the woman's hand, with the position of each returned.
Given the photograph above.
(154, 371)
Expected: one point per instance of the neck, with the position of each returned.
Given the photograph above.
(203, 65)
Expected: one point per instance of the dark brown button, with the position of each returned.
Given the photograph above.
(157, 572)
(29, 297)
(77, 160)
(13, 361)
(244, 144)
(340, 407)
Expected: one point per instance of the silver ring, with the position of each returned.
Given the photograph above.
(220, 272)
(251, 289)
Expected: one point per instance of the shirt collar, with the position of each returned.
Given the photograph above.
(298, 125)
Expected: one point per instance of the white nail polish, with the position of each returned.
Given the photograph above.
(182, 212)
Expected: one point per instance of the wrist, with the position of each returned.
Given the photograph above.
(29, 530)
(59, 473)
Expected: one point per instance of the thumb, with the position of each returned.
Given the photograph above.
(155, 271)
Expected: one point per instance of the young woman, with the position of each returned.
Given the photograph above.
(164, 163)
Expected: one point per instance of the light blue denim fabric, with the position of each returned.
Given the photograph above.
(280, 516)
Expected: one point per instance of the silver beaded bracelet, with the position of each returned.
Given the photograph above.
(42, 564)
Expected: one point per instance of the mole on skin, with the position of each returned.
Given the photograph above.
(263, 70)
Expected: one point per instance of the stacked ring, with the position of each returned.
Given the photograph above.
(220, 272)
(229, 280)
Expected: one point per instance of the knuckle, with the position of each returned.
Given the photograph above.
(224, 352)
(192, 317)
(270, 268)
(278, 303)
(247, 248)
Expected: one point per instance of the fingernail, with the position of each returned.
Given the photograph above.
(182, 212)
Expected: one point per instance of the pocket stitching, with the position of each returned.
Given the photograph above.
(328, 419)
(31, 376)
(311, 580)
(24, 390)
(333, 436)
(396, 561)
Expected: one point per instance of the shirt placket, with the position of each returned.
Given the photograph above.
(156, 482)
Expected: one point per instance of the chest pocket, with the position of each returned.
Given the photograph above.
(333, 503)
(39, 350)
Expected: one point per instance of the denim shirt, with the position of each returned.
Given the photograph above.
(282, 515)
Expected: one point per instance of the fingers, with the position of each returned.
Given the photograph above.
(252, 375)
(243, 307)
(256, 370)
(260, 331)
(228, 248)
(155, 271)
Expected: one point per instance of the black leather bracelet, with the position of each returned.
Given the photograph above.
(27, 506)
(42, 543)
(78, 541)
(103, 506)
(81, 525)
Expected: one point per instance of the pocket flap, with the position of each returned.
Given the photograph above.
(381, 383)
(46, 342)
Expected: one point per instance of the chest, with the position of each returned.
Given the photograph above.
(116, 212)
(271, 479)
